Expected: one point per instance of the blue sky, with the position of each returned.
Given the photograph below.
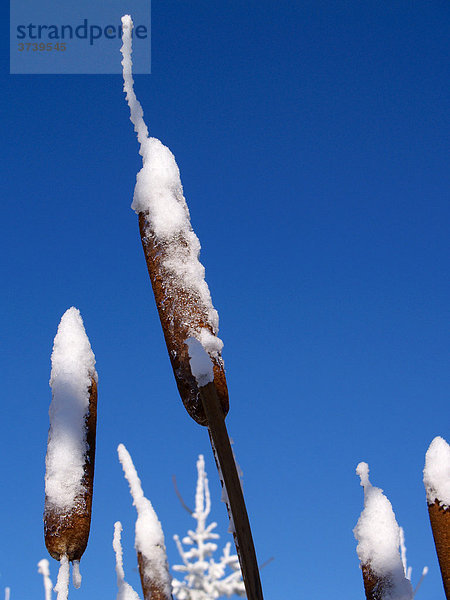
(313, 144)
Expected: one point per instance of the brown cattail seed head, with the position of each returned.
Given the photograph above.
(71, 441)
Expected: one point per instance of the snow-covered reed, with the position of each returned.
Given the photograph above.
(73, 368)
(172, 253)
(149, 536)
(378, 549)
(126, 592)
(69, 463)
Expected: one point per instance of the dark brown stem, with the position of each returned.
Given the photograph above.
(230, 480)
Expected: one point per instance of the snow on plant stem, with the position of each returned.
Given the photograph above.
(378, 536)
(62, 582)
(149, 536)
(43, 569)
(71, 447)
(126, 592)
(73, 367)
(172, 253)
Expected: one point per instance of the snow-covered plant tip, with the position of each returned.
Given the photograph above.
(149, 537)
(381, 546)
(436, 474)
(126, 592)
(205, 579)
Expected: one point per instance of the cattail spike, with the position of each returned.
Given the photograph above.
(71, 442)
(171, 251)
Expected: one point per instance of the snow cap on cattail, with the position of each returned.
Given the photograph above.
(378, 549)
(71, 440)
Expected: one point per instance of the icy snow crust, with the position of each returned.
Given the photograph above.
(62, 583)
(201, 365)
(159, 195)
(76, 574)
(149, 536)
(73, 366)
(436, 474)
(378, 536)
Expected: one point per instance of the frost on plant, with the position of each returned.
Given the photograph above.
(44, 570)
(436, 474)
(149, 538)
(205, 579)
(126, 592)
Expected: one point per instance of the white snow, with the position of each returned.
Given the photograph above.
(149, 536)
(378, 536)
(76, 575)
(73, 366)
(62, 583)
(159, 195)
(406, 570)
(126, 592)
(436, 474)
(44, 570)
(201, 365)
(205, 579)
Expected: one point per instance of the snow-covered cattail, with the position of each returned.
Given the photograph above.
(70, 456)
(149, 537)
(126, 592)
(185, 308)
(378, 549)
(171, 251)
(436, 478)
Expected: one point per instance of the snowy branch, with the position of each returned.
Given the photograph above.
(205, 579)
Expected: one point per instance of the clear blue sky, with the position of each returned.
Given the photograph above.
(313, 142)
